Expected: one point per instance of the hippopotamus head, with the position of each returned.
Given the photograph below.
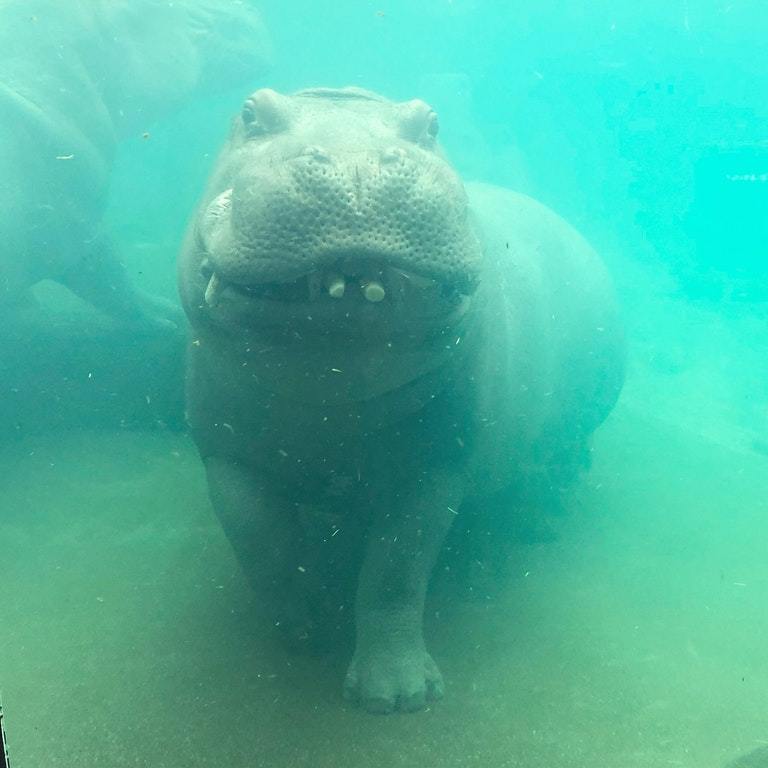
(339, 202)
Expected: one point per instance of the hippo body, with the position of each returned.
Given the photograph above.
(75, 77)
(374, 345)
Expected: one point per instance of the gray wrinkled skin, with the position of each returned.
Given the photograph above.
(375, 344)
(75, 76)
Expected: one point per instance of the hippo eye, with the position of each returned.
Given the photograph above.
(264, 111)
(418, 122)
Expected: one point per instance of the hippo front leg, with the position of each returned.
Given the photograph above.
(263, 532)
(392, 668)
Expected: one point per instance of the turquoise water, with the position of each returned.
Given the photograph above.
(635, 637)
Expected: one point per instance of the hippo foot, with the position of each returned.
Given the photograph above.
(382, 682)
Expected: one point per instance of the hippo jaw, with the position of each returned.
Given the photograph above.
(351, 288)
(366, 217)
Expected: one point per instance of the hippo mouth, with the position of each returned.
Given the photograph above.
(349, 286)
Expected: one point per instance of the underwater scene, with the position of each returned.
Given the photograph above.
(383, 383)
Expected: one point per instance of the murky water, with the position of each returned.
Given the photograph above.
(633, 638)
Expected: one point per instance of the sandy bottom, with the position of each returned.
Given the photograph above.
(636, 640)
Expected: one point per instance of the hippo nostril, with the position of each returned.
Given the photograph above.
(318, 154)
(393, 155)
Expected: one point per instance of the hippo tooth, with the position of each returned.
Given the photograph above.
(373, 291)
(213, 290)
(335, 285)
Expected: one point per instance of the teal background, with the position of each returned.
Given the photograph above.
(634, 639)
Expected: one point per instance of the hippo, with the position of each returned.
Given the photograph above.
(376, 345)
(75, 77)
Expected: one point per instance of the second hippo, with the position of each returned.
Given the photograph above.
(75, 77)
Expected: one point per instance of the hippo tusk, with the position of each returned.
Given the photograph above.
(221, 204)
(373, 290)
(213, 290)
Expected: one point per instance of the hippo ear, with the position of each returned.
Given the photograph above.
(418, 122)
(265, 111)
